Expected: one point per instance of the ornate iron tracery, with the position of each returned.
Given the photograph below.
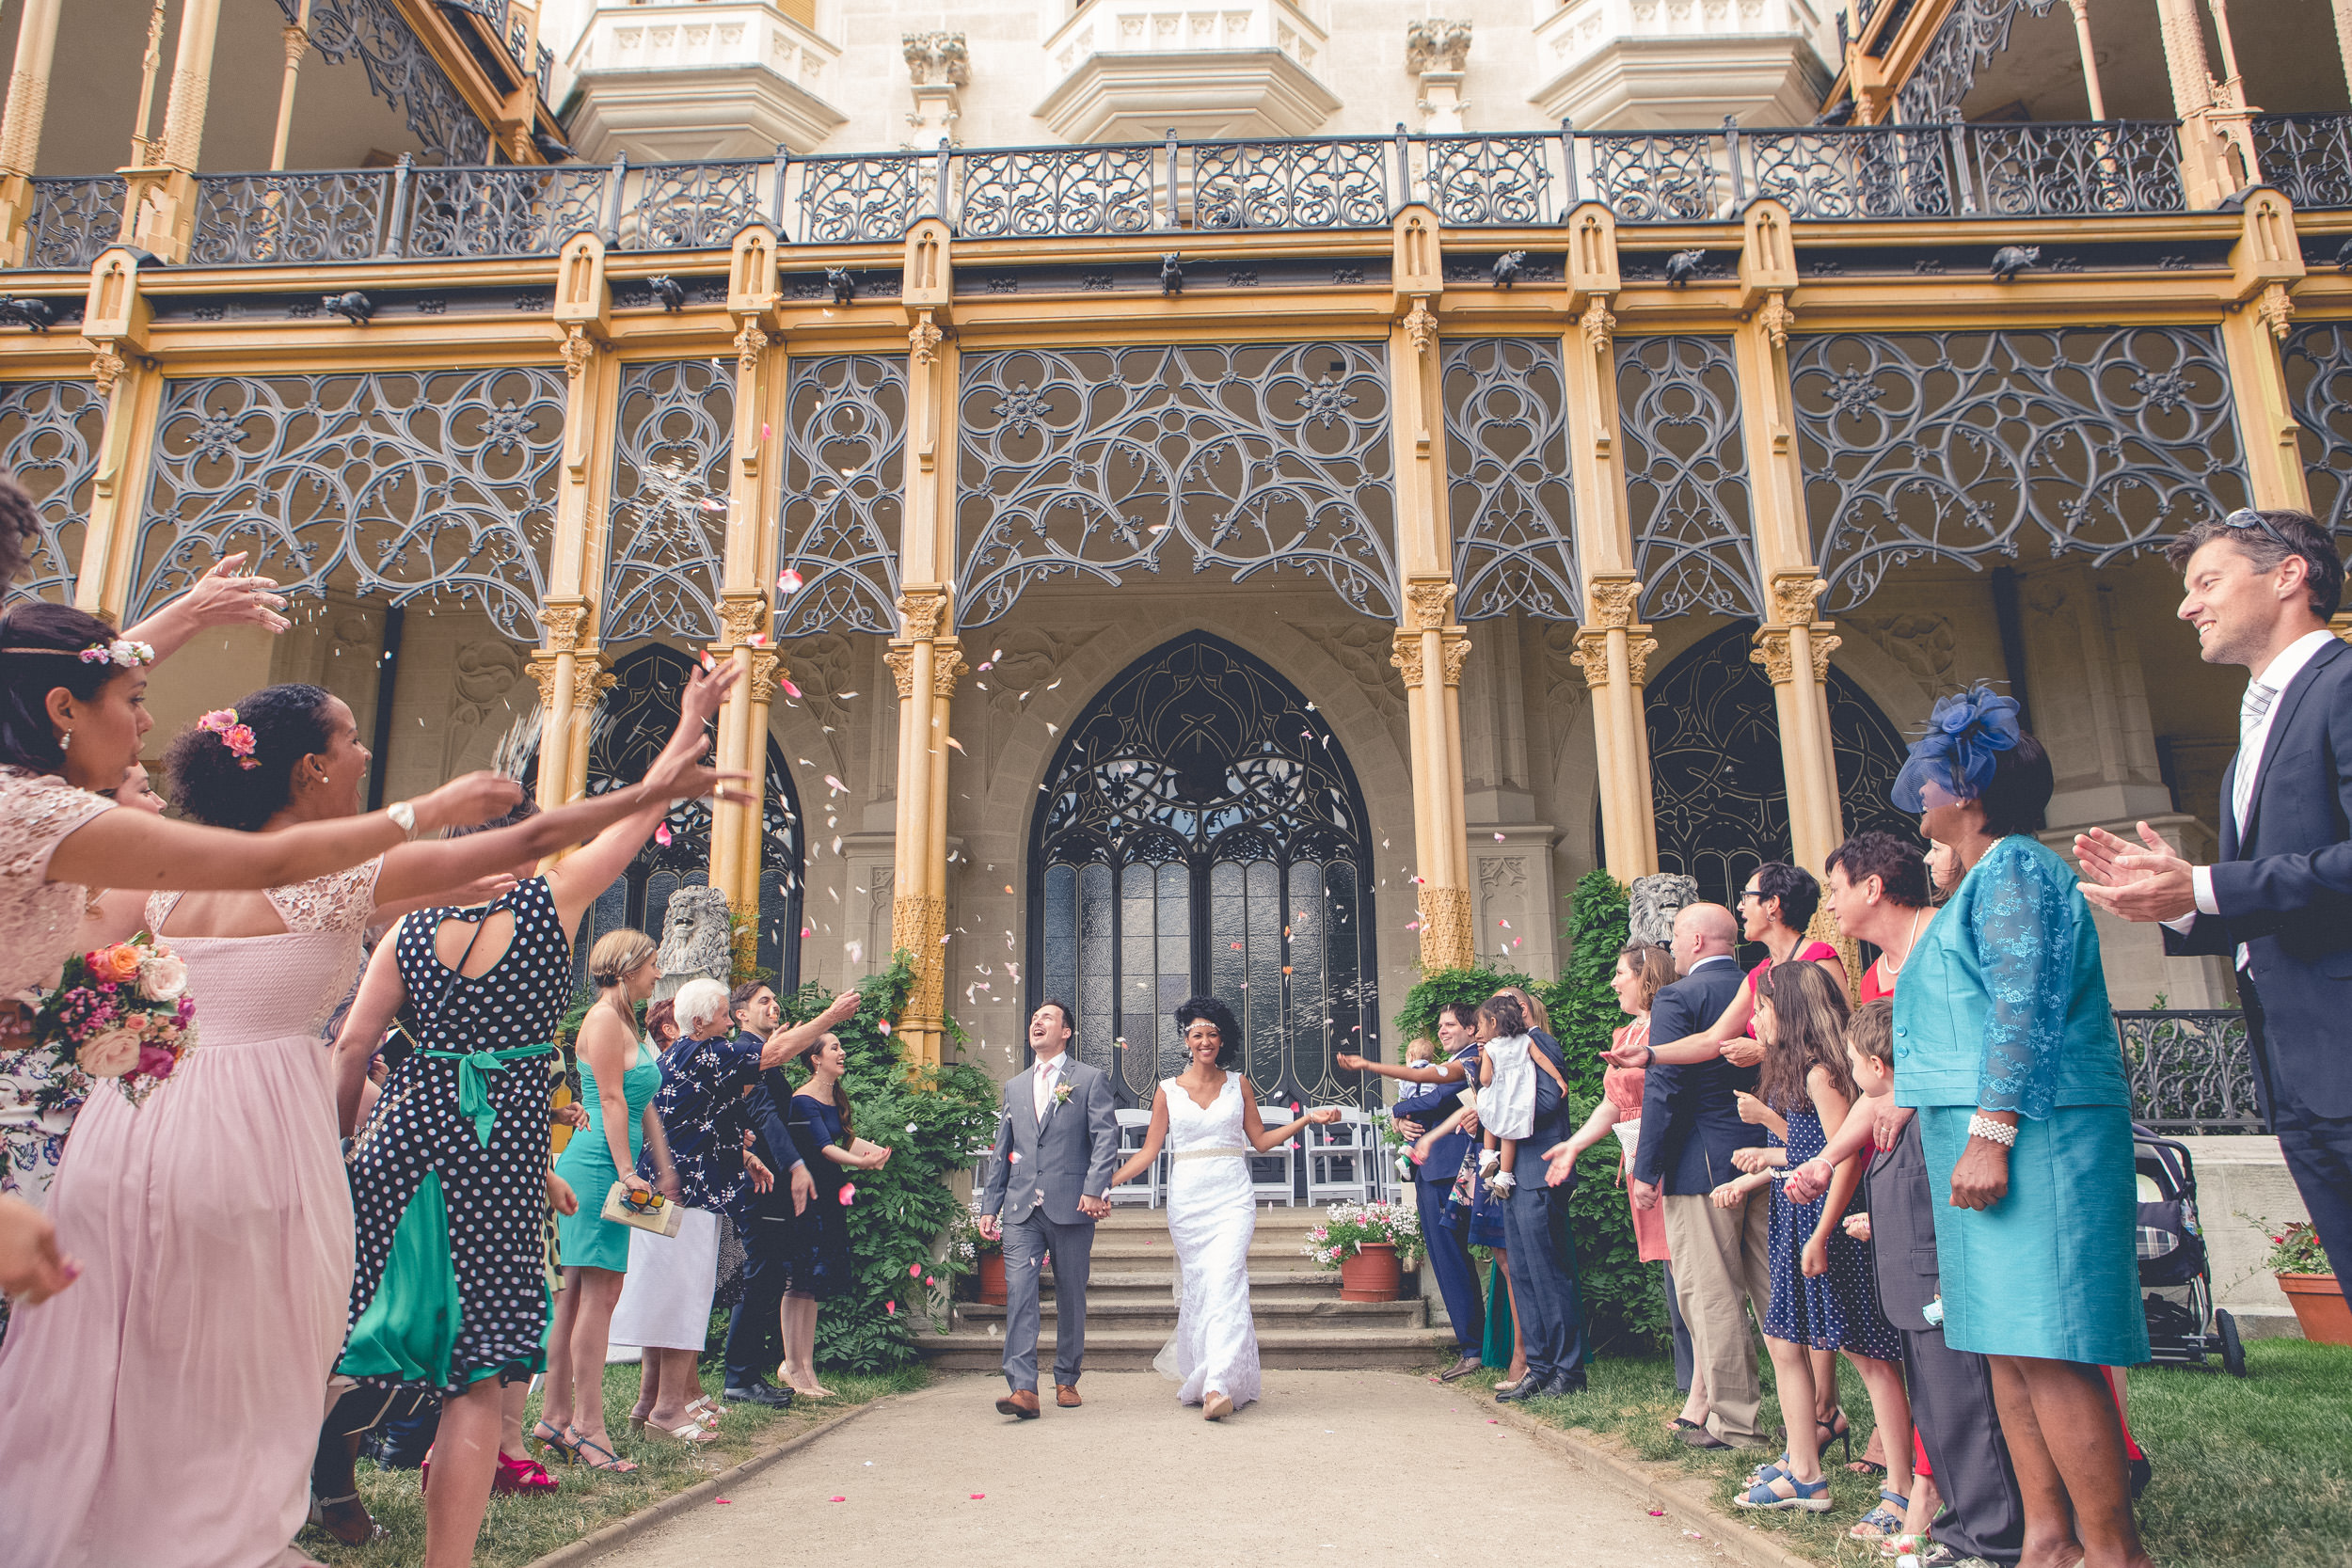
(641, 711)
(1686, 477)
(1333, 184)
(1489, 180)
(1259, 457)
(419, 482)
(669, 505)
(1974, 32)
(2318, 363)
(844, 493)
(1508, 489)
(400, 70)
(1059, 191)
(1203, 831)
(1943, 444)
(1716, 780)
(49, 440)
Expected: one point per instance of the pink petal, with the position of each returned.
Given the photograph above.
(914, 1271)
(662, 834)
(787, 581)
(883, 1024)
(848, 1194)
(891, 1307)
(790, 689)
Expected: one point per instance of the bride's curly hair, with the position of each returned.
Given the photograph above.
(1228, 1027)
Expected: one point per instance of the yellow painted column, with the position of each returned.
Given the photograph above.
(583, 315)
(2265, 264)
(20, 126)
(1793, 645)
(767, 669)
(115, 321)
(734, 824)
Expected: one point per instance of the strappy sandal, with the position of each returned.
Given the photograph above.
(707, 1406)
(1764, 1475)
(1882, 1523)
(1807, 1497)
(556, 1447)
(693, 1433)
(318, 1520)
(1836, 1430)
(610, 1461)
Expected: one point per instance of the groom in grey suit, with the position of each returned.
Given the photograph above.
(1049, 1180)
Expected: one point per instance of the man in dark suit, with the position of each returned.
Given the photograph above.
(1448, 1248)
(1690, 1125)
(1542, 1252)
(755, 1328)
(2261, 588)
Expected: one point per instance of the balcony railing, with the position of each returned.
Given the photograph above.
(1823, 174)
(2190, 1071)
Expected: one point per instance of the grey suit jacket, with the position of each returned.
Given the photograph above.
(1071, 1155)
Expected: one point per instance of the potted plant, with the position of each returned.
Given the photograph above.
(1370, 1243)
(970, 1253)
(2309, 1281)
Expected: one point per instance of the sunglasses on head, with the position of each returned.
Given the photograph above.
(2246, 517)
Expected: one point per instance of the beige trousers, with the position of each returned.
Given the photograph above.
(1722, 1260)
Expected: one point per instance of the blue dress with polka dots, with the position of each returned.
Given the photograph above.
(1836, 1310)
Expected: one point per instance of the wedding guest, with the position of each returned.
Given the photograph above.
(2005, 1045)
(1644, 969)
(1508, 1070)
(755, 1328)
(1775, 908)
(1542, 1252)
(256, 1248)
(1689, 1127)
(823, 1123)
(1437, 1097)
(2260, 590)
(1877, 888)
(1821, 1295)
(620, 1072)
(1477, 1208)
(449, 1178)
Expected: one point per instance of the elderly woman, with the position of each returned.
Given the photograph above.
(2005, 1045)
(711, 1097)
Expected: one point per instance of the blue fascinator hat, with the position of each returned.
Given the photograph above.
(1965, 736)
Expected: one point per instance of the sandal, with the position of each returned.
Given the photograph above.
(1838, 1429)
(318, 1520)
(692, 1432)
(707, 1406)
(553, 1443)
(1808, 1497)
(611, 1461)
(1764, 1475)
(1881, 1524)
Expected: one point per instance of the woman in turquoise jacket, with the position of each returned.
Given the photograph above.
(2005, 1046)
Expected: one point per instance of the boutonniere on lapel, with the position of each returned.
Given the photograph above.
(1061, 1094)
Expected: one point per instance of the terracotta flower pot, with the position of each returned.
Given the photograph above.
(992, 1278)
(1371, 1275)
(2319, 1306)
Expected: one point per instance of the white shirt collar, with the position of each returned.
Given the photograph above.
(1713, 959)
(1047, 1064)
(2292, 657)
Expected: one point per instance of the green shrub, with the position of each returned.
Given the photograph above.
(932, 1123)
(1418, 1018)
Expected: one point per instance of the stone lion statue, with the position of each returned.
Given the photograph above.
(696, 941)
(1650, 912)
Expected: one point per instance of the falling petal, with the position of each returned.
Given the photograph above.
(856, 951)
(787, 581)
(790, 689)
(847, 695)
(883, 1024)
(848, 1194)
(835, 785)
(661, 835)
(957, 744)
(1497, 838)
(1051, 729)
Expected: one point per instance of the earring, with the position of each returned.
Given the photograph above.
(65, 742)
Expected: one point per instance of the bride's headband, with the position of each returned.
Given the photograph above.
(120, 652)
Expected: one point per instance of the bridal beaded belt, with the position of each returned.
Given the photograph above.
(1213, 1154)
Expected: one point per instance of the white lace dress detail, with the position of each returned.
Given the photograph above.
(1211, 1217)
(39, 1097)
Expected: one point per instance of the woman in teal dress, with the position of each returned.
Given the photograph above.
(619, 1075)
(2005, 1046)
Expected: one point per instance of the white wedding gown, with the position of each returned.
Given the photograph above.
(1211, 1218)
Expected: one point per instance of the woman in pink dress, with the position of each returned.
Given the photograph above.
(166, 1409)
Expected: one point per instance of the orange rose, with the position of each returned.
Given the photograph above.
(118, 963)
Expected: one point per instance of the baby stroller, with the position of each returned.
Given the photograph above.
(2176, 1274)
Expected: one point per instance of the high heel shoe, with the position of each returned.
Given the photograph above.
(318, 1520)
(553, 1443)
(1836, 1429)
(522, 1476)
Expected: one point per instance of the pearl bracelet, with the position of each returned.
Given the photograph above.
(1993, 1131)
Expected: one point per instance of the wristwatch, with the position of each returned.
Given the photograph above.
(403, 816)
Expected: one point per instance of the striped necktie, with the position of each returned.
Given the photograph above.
(2250, 714)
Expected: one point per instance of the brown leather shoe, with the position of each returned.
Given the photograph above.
(1021, 1403)
(1065, 1395)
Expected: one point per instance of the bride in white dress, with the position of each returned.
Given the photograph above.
(1209, 1116)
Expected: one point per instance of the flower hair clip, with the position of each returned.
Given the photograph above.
(120, 652)
(1966, 733)
(237, 737)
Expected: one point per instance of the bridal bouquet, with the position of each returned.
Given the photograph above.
(121, 1012)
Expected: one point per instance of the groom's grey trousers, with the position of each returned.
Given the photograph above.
(1028, 1242)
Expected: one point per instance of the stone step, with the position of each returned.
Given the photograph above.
(1321, 1284)
(1316, 1349)
(1274, 1256)
(1270, 1313)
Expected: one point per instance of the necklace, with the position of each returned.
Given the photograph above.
(1911, 939)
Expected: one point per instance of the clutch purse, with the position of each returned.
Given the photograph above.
(642, 1211)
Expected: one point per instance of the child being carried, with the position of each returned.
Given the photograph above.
(1506, 1098)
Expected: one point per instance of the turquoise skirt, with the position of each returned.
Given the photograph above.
(2051, 1270)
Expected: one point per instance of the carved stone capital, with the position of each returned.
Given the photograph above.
(1600, 328)
(106, 368)
(1823, 645)
(921, 613)
(901, 662)
(1429, 604)
(767, 664)
(1456, 648)
(1592, 657)
(947, 667)
(542, 667)
(2277, 310)
(937, 59)
(579, 350)
(297, 42)
(563, 619)
(1637, 651)
(1794, 595)
(740, 617)
(748, 347)
(1421, 327)
(1772, 651)
(1433, 45)
(923, 339)
(1406, 655)
(1777, 318)
(1612, 601)
(589, 682)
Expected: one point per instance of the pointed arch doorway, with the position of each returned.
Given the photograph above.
(1201, 830)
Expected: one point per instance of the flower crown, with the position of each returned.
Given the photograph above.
(237, 737)
(1966, 733)
(120, 652)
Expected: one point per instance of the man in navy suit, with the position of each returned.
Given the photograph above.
(1690, 1125)
(2261, 588)
(1432, 1189)
(755, 1328)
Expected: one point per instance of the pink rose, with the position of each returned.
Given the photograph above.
(110, 1055)
(156, 1062)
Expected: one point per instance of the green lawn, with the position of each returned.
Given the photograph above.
(520, 1530)
(2248, 1472)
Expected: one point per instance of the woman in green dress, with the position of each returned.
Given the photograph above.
(619, 1075)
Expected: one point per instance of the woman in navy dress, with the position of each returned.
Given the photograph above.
(823, 1126)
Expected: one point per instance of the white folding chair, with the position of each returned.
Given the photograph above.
(1342, 1160)
(1133, 1126)
(1272, 1174)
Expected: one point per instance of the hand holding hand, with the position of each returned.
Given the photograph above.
(1643, 1194)
(1727, 1196)
(1749, 1159)
(1980, 1176)
(1810, 1180)
(1858, 1226)
(1743, 1052)
(2143, 885)
(1816, 1259)
(1095, 1208)
(992, 1228)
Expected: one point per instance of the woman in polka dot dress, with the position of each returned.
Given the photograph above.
(1822, 1295)
(448, 1175)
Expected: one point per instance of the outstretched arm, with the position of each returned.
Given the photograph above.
(1440, 1072)
(1137, 1162)
(221, 597)
(1703, 1046)
(1266, 1140)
